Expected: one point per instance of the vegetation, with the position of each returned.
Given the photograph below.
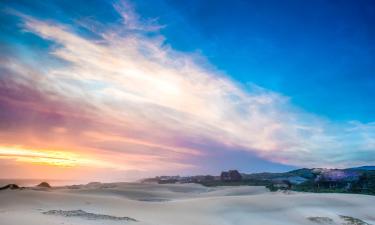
(321, 220)
(347, 220)
(359, 180)
(353, 221)
(364, 184)
(250, 182)
(356, 181)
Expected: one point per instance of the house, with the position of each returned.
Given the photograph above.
(336, 178)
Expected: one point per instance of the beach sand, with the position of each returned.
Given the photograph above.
(179, 204)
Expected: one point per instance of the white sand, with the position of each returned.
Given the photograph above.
(187, 204)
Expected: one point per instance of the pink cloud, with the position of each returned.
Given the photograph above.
(133, 100)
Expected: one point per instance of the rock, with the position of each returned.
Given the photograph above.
(10, 186)
(87, 215)
(231, 175)
(44, 185)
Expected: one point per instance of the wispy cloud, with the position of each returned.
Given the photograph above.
(132, 20)
(127, 94)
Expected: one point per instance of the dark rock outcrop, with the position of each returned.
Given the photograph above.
(231, 175)
(87, 215)
(44, 185)
(10, 186)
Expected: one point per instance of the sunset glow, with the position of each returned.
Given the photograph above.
(128, 94)
(46, 157)
(226, 112)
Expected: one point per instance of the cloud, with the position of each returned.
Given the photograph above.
(130, 96)
(132, 20)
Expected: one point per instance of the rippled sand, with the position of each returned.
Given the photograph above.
(188, 204)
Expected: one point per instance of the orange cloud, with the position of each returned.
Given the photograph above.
(126, 100)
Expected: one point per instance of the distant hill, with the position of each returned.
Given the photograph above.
(363, 168)
(359, 180)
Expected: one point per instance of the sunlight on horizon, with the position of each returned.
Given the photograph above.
(46, 157)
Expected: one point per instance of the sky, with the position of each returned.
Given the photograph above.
(120, 90)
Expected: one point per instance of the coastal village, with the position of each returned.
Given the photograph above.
(351, 180)
(226, 176)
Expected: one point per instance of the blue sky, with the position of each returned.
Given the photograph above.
(319, 53)
(221, 84)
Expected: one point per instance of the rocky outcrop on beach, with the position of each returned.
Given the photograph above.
(44, 185)
(10, 186)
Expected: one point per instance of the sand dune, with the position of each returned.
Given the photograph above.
(188, 204)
